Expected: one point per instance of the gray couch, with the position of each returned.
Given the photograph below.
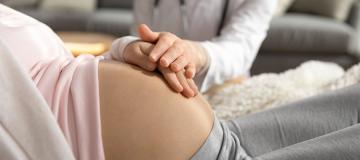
(292, 38)
(111, 16)
(296, 37)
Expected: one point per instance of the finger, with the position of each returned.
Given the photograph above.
(193, 86)
(187, 90)
(165, 41)
(171, 55)
(190, 70)
(172, 79)
(141, 60)
(146, 48)
(146, 34)
(179, 63)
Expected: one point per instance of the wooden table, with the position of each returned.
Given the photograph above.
(86, 42)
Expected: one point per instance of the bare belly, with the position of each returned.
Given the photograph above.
(142, 118)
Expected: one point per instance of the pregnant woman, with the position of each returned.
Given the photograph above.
(111, 110)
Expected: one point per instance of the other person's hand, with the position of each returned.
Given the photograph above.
(137, 53)
(179, 82)
(173, 52)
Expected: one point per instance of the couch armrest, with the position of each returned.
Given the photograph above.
(354, 17)
(354, 21)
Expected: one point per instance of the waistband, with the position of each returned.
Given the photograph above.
(221, 144)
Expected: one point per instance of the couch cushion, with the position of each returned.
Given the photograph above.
(68, 5)
(112, 21)
(266, 63)
(59, 20)
(20, 3)
(127, 4)
(308, 34)
(338, 9)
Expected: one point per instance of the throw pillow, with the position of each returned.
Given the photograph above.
(69, 5)
(338, 9)
(20, 3)
(283, 6)
(127, 4)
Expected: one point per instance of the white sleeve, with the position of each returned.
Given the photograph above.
(233, 53)
(118, 47)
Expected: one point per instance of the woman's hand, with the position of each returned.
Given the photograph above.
(137, 53)
(179, 82)
(174, 52)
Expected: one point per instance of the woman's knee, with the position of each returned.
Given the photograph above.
(142, 118)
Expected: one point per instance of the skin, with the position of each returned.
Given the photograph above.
(174, 52)
(171, 53)
(142, 118)
(137, 53)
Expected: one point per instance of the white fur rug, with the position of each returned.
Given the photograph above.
(270, 90)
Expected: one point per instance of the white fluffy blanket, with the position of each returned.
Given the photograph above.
(270, 90)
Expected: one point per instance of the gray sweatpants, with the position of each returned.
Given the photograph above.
(324, 127)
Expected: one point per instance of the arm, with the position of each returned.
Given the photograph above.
(137, 53)
(233, 53)
(126, 49)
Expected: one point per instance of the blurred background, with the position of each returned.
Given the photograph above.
(301, 30)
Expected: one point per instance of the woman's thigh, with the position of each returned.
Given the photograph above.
(297, 122)
(143, 119)
(342, 144)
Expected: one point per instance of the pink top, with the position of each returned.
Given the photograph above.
(69, 85)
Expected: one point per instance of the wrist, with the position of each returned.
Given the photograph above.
(202, 59)
(119, 47)
(129, 50)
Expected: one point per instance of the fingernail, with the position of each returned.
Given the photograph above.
(187, 95)
(163, 62)
(153, 58)
(180, 89)
(151, 67)
(174, 67)
(189, 75)
(192, 94)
